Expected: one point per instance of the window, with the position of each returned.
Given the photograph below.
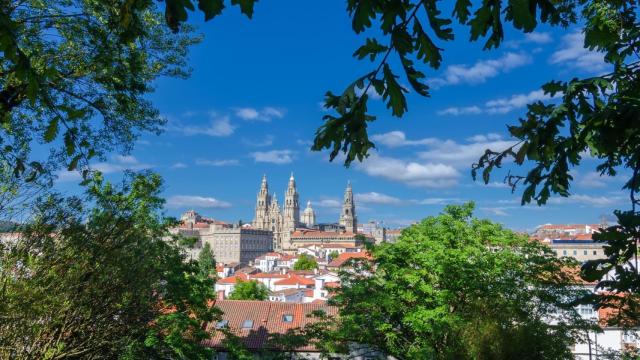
(287, 318)
(222, 324)
(575, 252)
(585, 252)
(247, 324)
(595, 252)
(564, 252)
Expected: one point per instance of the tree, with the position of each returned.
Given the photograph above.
(592, 118)
(102, 280)
(207, 261)
(456, 287)
(249, 290)
(334, 254)
(305, 262)
(74, 76)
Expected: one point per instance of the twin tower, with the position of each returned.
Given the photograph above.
(283, 222)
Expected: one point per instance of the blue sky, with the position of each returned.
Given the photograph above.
(252, 105)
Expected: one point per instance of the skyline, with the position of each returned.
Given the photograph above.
(251, 107)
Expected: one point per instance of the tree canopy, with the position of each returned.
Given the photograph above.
(102, 280)
(74, 75)
(305, 262)
(207, 261)
(457, 287)
(249, 290)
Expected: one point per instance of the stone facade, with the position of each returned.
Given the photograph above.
(309, 216)
(348, 217)
(282, 222)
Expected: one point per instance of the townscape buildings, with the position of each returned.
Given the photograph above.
(267, 249)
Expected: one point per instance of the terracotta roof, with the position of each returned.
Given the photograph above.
(583, 237)
(267, 317)
(332, 285)
(394, 231)
(233, 279)
(294, 279)
(568, 226)
(344, 257)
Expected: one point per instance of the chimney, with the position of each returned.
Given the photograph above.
(220, 295)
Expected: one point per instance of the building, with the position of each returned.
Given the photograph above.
(374, 229)
(306, 237)
(256, 322)
(392, 235)
(283, 222)
(582, 249)
(230, 243)
(550, 231)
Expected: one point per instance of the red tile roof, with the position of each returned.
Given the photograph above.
(267, 319)
(233, 279)
(344, 257)
(294, 279)
(326, 234)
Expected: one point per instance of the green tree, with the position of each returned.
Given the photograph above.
(85, 93)
(249, 290)
(593, 118)
(456, 287)
(305, 262)
(207, 261)
(334, 254)
(102, 280)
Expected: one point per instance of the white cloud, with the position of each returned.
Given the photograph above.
(481, 70)
(328, 203)
(178, 165)
(430, 175)
(439, 201)
(398, 138)
(499, 211)
(191, 201)
(499, 105)
(273, 156)
(266, 114)
(538, 37)
(483, 138)
(120, 163)
(572, 53)
(218, 127)
(267, 141)
(377, 198)
(460, 110)
(218, 162)
(590, 200)
(454, 153)
(505, 105)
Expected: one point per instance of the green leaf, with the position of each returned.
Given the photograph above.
(73, 164)
(371, 48)
(523, 14)
(52, 130)
(246, 6)
(69, 143)
(393, 93)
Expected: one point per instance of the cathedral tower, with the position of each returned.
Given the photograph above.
(263, 202)
(348, 217)
(275, 223)
(309, 216)
(291, 215)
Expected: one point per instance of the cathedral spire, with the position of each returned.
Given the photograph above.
(348, 217)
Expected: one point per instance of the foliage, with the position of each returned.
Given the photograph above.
(249, 290)
(102, 280)
(412, 30)
(456, 287)
(74, 75)
(207, 261)
(334, 254)
(592, 118)
(305, 262)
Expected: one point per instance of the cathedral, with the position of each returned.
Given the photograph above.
(284, 221)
